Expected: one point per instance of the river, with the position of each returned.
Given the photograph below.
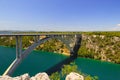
(39, 61)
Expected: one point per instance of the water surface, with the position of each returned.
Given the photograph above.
(39, 61)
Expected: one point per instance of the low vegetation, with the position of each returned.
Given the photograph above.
(70, 68)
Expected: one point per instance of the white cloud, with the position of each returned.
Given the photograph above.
(118, 25)
(115, 28)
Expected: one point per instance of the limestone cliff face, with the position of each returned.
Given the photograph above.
(103, 47)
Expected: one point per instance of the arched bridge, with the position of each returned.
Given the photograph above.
(72, 41)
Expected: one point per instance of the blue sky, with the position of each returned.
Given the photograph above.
(60, 15)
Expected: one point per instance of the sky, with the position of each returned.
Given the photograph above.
(60, 15)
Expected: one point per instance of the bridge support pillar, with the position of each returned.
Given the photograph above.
(76, 47)
(18, 46)
(36, 38)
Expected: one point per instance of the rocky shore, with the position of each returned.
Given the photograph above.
(42, 76)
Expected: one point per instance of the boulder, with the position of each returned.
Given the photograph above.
(40, 76)
(22, 77)
(74, 76)
(5, 77)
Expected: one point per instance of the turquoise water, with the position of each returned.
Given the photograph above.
(38, 61)
(104, 70)
(7, 55)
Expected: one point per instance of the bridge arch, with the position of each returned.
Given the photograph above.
(20, 55)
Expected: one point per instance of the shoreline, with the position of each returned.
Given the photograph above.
(64, 54)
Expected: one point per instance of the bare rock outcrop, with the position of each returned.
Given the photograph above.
(74, 76)
(5, 77)
(42, 76)
(22, 77)
(39, 76)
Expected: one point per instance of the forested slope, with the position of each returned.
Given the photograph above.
(101, 45)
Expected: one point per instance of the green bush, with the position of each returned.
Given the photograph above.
(68, 69)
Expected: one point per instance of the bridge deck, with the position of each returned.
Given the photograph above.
(35, 34)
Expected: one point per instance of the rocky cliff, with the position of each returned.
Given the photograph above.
(101, 47)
